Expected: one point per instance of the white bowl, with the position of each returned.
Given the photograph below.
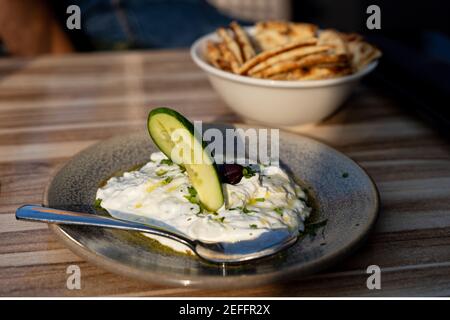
(277, 102)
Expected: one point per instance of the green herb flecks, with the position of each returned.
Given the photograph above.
(166, 162)
(193, 198)
(167, 180)
(192, 191)
(98, 204)
(279, 211)
(161, 172)
(246, 210)
(248, 172)
(260, 199)
(345, 175)
(253, 226)
(243, 209)
(221, 219)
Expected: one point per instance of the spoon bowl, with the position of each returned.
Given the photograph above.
(216, 252)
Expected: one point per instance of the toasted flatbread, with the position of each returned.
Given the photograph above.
(334, 39)
(272, 34)
(307, 61)
(293, 54)
(281, 67)
(303, 31)
(270, 53)
(294, 74)
(274, 25)
(228, 57)
(362, 54)
(241, 37)
(319, 73)
(325, 59)
(315, 73)
(290, 51)
(232, 45)
(223, 63)
(213, 53)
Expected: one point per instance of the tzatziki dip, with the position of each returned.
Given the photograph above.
(265, 200)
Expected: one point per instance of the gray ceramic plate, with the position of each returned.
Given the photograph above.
(343, 193)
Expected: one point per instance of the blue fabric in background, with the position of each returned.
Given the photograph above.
(121, 24)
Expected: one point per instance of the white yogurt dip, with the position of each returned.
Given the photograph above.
(160, 194)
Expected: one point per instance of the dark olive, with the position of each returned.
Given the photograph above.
(231, 173)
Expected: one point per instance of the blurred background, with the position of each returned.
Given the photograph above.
(31, 27)
(414, 35)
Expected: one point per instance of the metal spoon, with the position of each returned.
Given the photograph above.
(267, 244)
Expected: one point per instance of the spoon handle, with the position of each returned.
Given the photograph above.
(50, 215)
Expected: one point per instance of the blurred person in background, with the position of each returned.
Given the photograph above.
(34, 27)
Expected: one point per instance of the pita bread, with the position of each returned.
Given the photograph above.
(232, 45)
(244, 42)
(325, 58)
(308, 61)
(362, 54)
(270, 53)
(274, 25)
(223, 63)
(291, 51)
(213, 53)
(295, 74)
(228, 57)
(303, 31)
(333, 39)
(351, 37)
(273, 34)
(315, 73)
(320, 73)
(281, 67)
(293, 54)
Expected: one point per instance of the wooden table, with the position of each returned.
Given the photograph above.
(51, 108)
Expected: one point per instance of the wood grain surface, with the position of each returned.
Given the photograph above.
(51, 108)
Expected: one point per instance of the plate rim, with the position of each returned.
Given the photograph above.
(215, 281)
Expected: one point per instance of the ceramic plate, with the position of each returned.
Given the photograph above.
(343, 195)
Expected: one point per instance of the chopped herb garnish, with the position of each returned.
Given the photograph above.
(192, 191)
(166, 161)
(260, 199)
(345, 175)
(248, 172)
(279, 211)
(98, 203)
(167, 180)
(243, 209)
(161, 172)
(253, 226)
(192, 199)
(221, 219)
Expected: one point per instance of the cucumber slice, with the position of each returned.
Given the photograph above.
(174, 135)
